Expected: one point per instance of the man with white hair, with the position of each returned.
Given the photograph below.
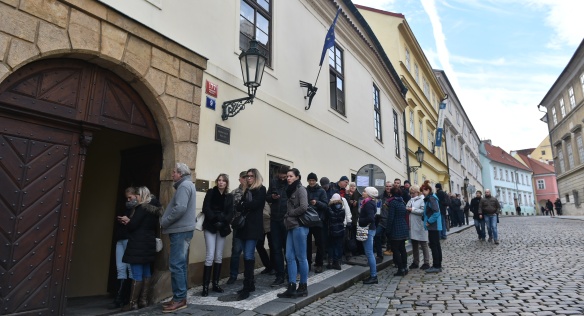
(178, 222)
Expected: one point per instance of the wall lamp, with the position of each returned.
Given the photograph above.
(420, 158)
(253, 63)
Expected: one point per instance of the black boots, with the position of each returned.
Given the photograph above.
(216, 277)
(206, 280)
(121, 294)
(290, 291)
(302, 290)
(248, 281)
(370, 280)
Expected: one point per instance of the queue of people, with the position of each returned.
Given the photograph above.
(348, 223)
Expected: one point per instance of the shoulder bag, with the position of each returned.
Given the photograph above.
(199, 221)
(362, 233)
(309, 218)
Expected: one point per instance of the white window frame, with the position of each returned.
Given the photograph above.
(582, 82)
(562, 108)
(416, 73)
(561, 160)
(570, 154)
(554, 116)
(541, 184)
(408, 63)
(572, 98)
(412, 124)
(495, 173)
(421, 130)
(580, 144)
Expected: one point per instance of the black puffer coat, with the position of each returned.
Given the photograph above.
(142, 228)
(252, 203)
(218, 210)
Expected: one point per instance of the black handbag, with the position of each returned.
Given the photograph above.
(310, 218)
(238, 221)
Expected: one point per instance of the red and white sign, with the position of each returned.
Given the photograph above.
(211, 89)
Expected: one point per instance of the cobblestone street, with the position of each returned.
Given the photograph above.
(538, 269)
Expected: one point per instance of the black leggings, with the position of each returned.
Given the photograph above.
(434, 242)
(400, 256)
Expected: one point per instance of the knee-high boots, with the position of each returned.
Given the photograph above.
(135, 291)
(206, 280)
(248, 281)
(216, 277)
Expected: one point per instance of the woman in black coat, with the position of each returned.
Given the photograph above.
(218, 210)
(251, 206)
(141, 249)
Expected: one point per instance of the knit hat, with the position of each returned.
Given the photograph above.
(324, 181)
(312, 176)
(336, 197)
(438, 186)
(371, 191)
(407, 181)
(344, 178)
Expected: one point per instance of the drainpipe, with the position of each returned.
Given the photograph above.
(406, 146)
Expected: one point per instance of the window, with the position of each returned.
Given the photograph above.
(377, 113)
(582, 81)
(412, 122)
(572, 99)
(567, 198)
(522, 180)
(408, 64)
(457, 118)
(516, 177)
(570, 154)
(541, 184)
(421, 129)
(576, 198)
(429, 135)
(501, 174)
(426, 87)
(561, 160)
(396, 133)
(530, 200)
(507, 175)
(416, 73)
(337, 90)
(580, 145)
(554, 116)
(562, 108)
(511, 176)
(495, 172)
(543, 152)
(416, 177)
(509, 196)
(255, 21)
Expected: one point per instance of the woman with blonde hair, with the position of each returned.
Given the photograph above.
(418, 234)
(251, 206)
(218, 210)
(141, 250)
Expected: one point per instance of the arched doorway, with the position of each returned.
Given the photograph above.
(71, 134)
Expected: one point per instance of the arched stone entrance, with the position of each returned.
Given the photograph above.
(50, 113)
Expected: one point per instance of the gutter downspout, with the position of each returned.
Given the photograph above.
(406, 144)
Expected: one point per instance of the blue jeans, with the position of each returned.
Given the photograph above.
(368, 247)
(279, 233)
(236, 249)
(140, 271)
(492, 226)
(124, 270)
(480, 227)
(443, 231)
(296, 250)
(249, 246)
(178, 263)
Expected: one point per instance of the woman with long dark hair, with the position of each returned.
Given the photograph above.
(297, 205)
(251, 206)
(433, 224)
(218, 210)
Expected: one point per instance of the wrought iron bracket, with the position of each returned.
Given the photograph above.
(232, 107)
(413, 169)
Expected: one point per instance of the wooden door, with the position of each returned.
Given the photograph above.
(39, 173)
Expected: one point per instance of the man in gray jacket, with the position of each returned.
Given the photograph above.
(178, 222)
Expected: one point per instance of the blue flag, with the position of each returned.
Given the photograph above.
(329, 41)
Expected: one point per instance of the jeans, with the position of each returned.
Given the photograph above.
(279, 233)
(318, 234)
(124, 270)
(337, 246)
(399, 253)
(378, 241)
(491, 221)
(443, 231)
(140, 271)
(368, 247)
(214, 244)
(236, 249)
(266, 261)
(249, 246)
(434, 241)
(296, 250)
(179, 263)
(480, 227)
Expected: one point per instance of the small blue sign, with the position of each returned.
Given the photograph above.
(211, 103)
(439, 133)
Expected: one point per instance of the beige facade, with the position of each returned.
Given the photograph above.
(565, 115)
(543, 152)
(423, 97)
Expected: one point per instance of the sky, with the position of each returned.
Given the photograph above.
(501, 57)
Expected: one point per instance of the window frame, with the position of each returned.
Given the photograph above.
(335, 73)
(570, 153)
(417, 73)
(572, 98)
(377, 113)
(396, 134)
(562, 107)
(561, 160)
(412, 123)
(258, 9)
(580, 145)
(540, 184)
(408, 60)
(554, 116)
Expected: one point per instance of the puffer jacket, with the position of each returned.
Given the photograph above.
(142, 233)
(318, 194)
(432, 213)
(337, 216)
(297, 204)
(218, 209)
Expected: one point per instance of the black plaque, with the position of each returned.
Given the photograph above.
(222, 134)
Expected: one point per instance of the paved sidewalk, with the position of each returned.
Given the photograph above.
(264, 300)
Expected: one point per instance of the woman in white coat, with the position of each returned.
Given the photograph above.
(419, 235)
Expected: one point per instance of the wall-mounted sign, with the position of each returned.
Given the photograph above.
(211, 103)
(222, 134)
(211, 89)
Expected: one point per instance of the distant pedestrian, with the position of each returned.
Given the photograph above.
(433, 224)
(367, 219)
(550, 207)
(443, 202)
(419, 235)
(489, 207)
(518, 210)
(479, 221)
(466, 210)
(558, 205)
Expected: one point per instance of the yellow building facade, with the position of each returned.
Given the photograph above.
(423, 97)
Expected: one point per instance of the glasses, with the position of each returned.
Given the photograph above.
(250, 176)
